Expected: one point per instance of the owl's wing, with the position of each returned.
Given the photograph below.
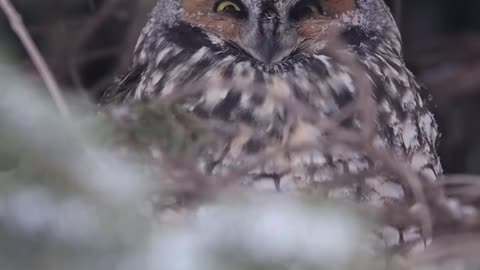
(121, 89)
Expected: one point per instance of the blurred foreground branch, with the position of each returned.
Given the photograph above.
(35, 55)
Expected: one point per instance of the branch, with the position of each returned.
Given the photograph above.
(19, 28)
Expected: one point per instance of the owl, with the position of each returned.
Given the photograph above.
(279, 71)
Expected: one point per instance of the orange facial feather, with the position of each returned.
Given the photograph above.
(199, 13)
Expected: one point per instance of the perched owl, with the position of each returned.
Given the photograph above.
(276, 70)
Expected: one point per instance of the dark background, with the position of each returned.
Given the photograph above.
(88, 42)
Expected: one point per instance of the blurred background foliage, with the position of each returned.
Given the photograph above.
(88, 42)
(70, 201)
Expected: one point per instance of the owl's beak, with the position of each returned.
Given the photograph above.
(269, 50)
(268, 43)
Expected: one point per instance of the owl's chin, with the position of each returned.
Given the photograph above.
(271, 58)
(279, 66)
(263, 58)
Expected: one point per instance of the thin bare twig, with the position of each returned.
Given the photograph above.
(19, 28)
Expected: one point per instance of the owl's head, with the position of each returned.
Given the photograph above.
(269, 31)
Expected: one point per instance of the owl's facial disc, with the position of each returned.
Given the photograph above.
(266, 30)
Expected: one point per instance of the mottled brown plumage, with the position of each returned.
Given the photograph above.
(253, 63)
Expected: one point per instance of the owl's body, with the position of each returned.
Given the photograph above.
(275, 70)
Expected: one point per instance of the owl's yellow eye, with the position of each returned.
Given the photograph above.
(228, 6)
(231, 7)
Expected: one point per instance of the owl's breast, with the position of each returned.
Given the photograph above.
(282, 116)
(282, 122)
